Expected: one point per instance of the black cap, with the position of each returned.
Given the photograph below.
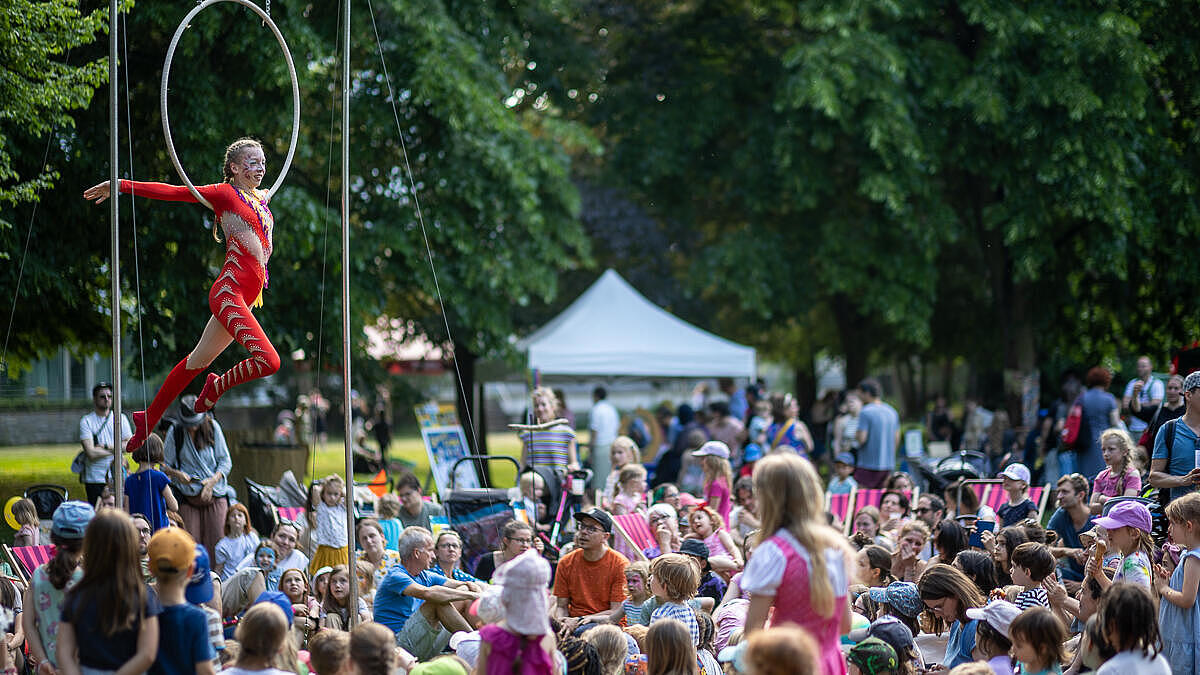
(694, 547)
(598, 515)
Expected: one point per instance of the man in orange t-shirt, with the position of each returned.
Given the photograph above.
(590, 581)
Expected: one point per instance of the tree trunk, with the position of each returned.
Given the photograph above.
(854, 336)
(468, 416)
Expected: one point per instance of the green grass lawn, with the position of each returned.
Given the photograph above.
(25, 465)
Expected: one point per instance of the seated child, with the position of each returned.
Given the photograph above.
(1019, 505)
(1030, 563)
(673, 581)
(635, 609)
(843, 481)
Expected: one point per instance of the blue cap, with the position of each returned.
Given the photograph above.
(200, 589)
(902, 596)
(71, 519)
(277, 598)
(844, 458)
(751, 453)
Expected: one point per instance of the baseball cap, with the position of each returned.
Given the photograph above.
(901, 596)
(71, 519)
(1192, 381)
(844, 458)
(889, 629)
(1016, 471)
(998, 614)
(752, 453)
(716, 448)
(1127, 513)
(873, 656)
(598, 515)
(171, 550)
(277, 598)
(200, 589)
(694, 547)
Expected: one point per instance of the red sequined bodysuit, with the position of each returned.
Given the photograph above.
(247, 224)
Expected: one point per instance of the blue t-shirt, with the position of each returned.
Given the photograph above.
(881, 422)
(392, 606)
(144, 489)
(961, 643)
(391, 532)
(96, 649)
(1061, 523)
(182, 640)
(1183, 456)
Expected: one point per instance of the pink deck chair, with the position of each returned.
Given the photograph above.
(632, 531)
(874, 497)
(26, 559)
(841, 506)
(290, 513)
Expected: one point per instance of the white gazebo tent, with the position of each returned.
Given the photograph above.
(613, 330)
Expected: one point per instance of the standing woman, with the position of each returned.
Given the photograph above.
(801, 566)
(241, 210)
(1101, 410)
(198, 464)
(110, 618)
(550, 446)
(787, 429)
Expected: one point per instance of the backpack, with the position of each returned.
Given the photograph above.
(1072, 425)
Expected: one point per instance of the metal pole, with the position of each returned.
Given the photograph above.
(353, 619)
(118, 479)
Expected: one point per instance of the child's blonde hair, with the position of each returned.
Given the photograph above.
(261, 631)
(389, 506)
(718, 523)
(332, 479)
(1126, 444)
(714, 468)
(367, 570)
(627, 473)
(669, 648)
(611, 647)
(635, 454)
(1185, 509)
(25, 512)
(782, 650)
(790, 497)
(639, 567)
(677, 575)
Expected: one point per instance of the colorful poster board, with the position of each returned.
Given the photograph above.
(445, 445)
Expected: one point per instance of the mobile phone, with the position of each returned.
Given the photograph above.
(980, 526)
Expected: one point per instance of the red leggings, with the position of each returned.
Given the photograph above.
(237, 287)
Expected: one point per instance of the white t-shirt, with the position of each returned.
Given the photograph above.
(100, 429)
(1155, 390)
(1133, 663)
(764, 570)
(604, 423)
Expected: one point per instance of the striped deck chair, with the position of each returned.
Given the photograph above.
(874, 497)
(290, 513)
(25, 559)
(842, 507)
(1039, 494)
(632, 530)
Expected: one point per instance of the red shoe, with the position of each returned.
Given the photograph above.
(208, 395)
(140, 432)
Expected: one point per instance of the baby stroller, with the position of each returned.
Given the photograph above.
(479, 514)
(561, 498)
(936, 474)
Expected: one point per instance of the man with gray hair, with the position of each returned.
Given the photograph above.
(422, 608)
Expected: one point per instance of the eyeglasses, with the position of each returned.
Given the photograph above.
(590, 529)
(451, 544)
(523, 540)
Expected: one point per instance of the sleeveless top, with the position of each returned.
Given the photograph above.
(507, 647)
(1179, 625)
(715, 547)
(792, 603)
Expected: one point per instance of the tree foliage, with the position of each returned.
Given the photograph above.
(498, 207)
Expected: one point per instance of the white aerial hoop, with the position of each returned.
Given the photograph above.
(287, 162)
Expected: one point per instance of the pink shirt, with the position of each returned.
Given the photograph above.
(718, 497)
(1109, 484)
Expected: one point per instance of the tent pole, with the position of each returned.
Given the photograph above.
(118, 449)
(353, 614)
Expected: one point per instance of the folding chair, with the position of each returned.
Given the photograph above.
(634, 531)
(842, 507)
(1039, 494)
(25, 559)
(874, 497)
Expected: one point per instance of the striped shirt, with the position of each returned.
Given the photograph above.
(548, 447)
(1033, 597)
(683, 613)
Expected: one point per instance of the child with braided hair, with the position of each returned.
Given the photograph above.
(241, 210)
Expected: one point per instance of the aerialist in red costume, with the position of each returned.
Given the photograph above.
(242, 212)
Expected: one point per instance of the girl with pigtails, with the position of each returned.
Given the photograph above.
(242, 212)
